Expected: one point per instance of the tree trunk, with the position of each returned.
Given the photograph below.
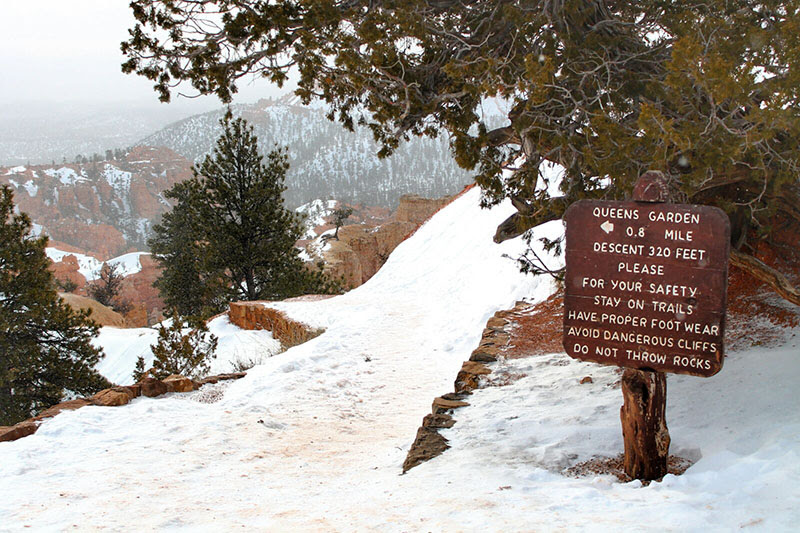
(767, 274)
(250, 284)
(644, 427)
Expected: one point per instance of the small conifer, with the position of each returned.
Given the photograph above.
(180, 350)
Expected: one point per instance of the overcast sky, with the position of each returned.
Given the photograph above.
(68, 50)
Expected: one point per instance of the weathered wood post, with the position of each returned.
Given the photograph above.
(645, 289)
(644, 425)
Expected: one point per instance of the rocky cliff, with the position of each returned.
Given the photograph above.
(105, 208)
(361, 249)
(136, 289)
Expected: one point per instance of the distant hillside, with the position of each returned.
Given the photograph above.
(327, 160)
(40, 133)
(103, 207)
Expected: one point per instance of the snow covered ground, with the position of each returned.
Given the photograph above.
(235, 346)
(314, 438)
(90, 266)
(315, 211)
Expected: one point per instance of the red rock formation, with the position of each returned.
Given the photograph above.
(67, 270)
(416, 209)
(362, 249)
(139, 291)
(136, 289)
(255, 315)
(101, 207)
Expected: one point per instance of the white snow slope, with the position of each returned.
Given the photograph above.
(90, 266)
(314, 438)
(124, 346)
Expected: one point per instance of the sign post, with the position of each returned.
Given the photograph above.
(645, 289)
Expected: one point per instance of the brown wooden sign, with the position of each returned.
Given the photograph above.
(646, 285)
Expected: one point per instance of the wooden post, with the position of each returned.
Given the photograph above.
(644, 393)
(644, 426)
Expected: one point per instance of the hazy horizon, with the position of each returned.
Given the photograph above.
(63, 87)
(54, 51)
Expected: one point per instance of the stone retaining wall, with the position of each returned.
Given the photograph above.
(494, 341)
(256, 315)
(114, 397)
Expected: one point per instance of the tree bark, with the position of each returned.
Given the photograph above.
(644, 427)
(767, 274)
(523, 220)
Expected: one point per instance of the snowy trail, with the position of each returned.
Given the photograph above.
(329, 419)
(314, 438)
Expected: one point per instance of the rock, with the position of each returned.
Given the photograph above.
(427, 445)
(495, 338)
(134, 390)
(67, 269)
(440, 405)
(220, 377)
(112, 397)
(587, 379)
(361, 250)
(137, 317)
(138, 290)
(232, 375)
(105, 316)
(496, 323)
(152, 387)
(178, 383)
(23, 429)
(475, 368)
(70, 405)
(488, 349)
(440, 421)
(480, 356)
(455, 395)
(469, 375)
(256, 315)
(466, 382)
(416, 209)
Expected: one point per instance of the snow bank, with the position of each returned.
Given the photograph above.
(65, 175)
(235, 347)
(122, 348)
(89, 266)
(15, 170)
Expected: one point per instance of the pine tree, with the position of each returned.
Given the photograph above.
(45, 347)
(106, 288)
(340, 215)
(179, 351)
(187, 284)
(229, 236)
(139, 372)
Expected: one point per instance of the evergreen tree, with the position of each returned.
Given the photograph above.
(187, 284)
(45, 347)
(706, 92)
(340, 215)
(106, 288)
(139, 372)
(179, 351)
(229, 236)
